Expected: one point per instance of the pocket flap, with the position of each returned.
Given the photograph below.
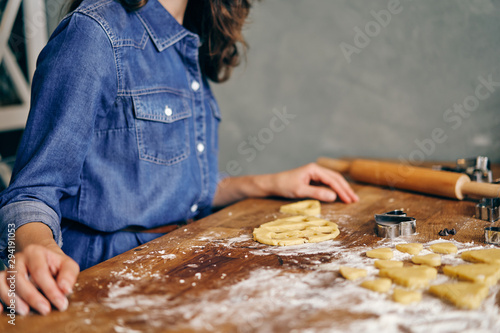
(162, 107)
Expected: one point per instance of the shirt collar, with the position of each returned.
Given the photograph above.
(161, 26)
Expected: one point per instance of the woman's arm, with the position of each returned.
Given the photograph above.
(39, 262)
(296, 183)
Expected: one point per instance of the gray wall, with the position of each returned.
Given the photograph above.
(385, 103)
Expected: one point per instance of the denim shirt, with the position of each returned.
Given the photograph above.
(122, 132)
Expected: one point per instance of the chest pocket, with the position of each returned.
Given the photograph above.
(162, 121)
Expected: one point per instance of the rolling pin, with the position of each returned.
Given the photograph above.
(441, 183)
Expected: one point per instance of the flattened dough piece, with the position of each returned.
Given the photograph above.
(406, 296)
(351, 273)
(295, 230)
(381, 253)
(387, 263)
(490, 256)
(411, 248)
(431, 259)
(444, 248)
(488, 274)
(465, 295)
(305, 207)
(381, 285)
(413, 277)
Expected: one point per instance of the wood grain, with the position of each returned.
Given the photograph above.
(198, 249)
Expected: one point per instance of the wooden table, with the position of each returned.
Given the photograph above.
(211, 276)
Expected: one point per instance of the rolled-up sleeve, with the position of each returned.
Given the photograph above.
(75, 82)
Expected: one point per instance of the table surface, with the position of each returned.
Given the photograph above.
(211, 276)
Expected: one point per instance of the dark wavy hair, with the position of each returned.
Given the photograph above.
(219, 24)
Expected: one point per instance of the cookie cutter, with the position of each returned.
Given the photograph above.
(394, 224)
(492, 235)
(477, 168)
(488, 209)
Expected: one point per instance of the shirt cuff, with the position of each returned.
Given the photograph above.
(19, 213)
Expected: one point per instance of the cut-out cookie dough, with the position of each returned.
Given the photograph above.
(381, 285)
(387, 263)
(296, 230)
(406, 296)
(488, 274)
(489, 256)
(351, 273)
(411, 248)
(444, 248)
(305, 207)
(381, 253)
(428, 259)
(413, 277)
(466, 295)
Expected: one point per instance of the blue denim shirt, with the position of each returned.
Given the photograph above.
(122, 132)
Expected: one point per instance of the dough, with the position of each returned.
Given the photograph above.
(406, 296)
(428, 259)
(463, 294)
(379, 285)
(411, 248)
(381, 253)
(351, 273)
(387, 263)
(491, 256)
(444, 248)
(296, 230)
(305, 207)
(413, 277)
(488, 274)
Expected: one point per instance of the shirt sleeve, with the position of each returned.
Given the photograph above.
(75, 82)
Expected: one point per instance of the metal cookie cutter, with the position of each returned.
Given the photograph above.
(492, 235)
(477, 168)
(394, 224)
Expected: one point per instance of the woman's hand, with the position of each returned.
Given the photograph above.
(44, 275)
(309, 181)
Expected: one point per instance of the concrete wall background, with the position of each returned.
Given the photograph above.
(390, 97)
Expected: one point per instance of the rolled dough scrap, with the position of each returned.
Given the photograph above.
(305, 207)
(381, 253)
(488, 274)
(413, 277)
(351, 273)
(491, 256)
(296, 230)
(411, 248)
(388, 263)
(406, 296)
(444, 248)
(466, 295)
(381, 285)
(431, 259)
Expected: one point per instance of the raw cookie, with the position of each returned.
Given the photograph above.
(444, 248)
(428, 259)
(411, 248)
(488, 274)
(305, 207)
(491, 256)
(463, 294)
(406, 296)
(381, 285)
(381, 253)
(296, 230)
(387, 263)
(413, 277)
(351, 273)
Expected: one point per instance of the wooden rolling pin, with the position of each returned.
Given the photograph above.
(442, 183)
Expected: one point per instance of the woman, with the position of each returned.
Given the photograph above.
(121, 141)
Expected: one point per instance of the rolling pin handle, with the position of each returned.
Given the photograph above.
(335, 165)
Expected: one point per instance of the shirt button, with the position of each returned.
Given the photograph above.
(200, 147)
(168, 111)
(195, 85)
(194, 208)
